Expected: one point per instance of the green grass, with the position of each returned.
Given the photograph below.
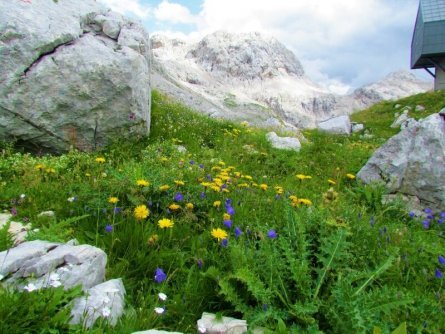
(344, 264)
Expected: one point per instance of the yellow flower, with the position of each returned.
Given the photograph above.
(216, 168)
(50, 170)
(222, 163)
(263, 186)
(225, 190)
(164, 187)
(217, 204)
(293, 198)
(247, 177)
(165, 223)
(226, 216)
(113, 200)
(350, 176)
(243, 185)
(141, 212)
(305, 201)
(164, 159)
(206, 184)
(39, 166)
(100, 160)
(179, 183)
(215, 188)
(87, 174)
(189, 206)
(302, 177)
(142, 183)
(174, 207)
(219, 234)
(332, 182)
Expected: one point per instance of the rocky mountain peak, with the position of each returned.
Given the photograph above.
(245, 56)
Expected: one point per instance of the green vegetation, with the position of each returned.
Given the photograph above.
(308, 248)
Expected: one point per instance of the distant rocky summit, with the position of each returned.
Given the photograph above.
(72, 73)
(255, 78)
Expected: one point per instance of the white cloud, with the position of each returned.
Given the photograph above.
(173, 13)
(132, 7)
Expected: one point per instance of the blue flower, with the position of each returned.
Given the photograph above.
(272, 234)
(109, 228)
(372, 221)
(202, 195)
(201, 166)
(160, 276)
(428, 210)
(230, 210)
(117, 210)
(238, 232)
(442, 214)
(441, 260)
(438, 273)
(191, 162)
(412, 214)
(228, 223)
(426, 224)
(178, 197)
(224, 242)
(199, 263)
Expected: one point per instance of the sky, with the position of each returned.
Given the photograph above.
(342, 44)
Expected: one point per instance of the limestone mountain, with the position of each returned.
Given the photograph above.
(251, 77)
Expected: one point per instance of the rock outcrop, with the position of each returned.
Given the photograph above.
(412, 162)
(283, 143)
(337, 125)
(72, 73)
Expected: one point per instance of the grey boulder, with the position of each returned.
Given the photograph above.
(72, 74)
(412, 162)
(38, 262)
(283, 143)
(210, 324)
(336, 125)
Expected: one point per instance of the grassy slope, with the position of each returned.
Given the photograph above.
(328, 268)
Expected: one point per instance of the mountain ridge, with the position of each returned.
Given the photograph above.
(255, 78)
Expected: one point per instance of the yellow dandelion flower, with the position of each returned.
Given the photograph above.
(113, 200)
(164, 187)
(165, 223)
(332, 182)
(263, 186)
(293, 198)
(164, 159)
(39, 167)
(100, 160)
(189, 206)
(305, 201)
(215, 188)
(247, 177)
(206, 184)
(226, 216)
(225, 190)
(141, 212)
(217, 204)
(350, 176)
(142, 183)
(302, 177)
(237, 174)
(216, 169)
(50, 170)
(179, 183)
(222, 163)
(174, 207)
(219, 234)
(243, 185)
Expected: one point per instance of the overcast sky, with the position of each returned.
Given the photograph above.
(341, 43)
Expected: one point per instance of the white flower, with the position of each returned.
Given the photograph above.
(71, 199)
(30, 287)
(22, 196)
(55, 284)
(159, 310)
(202, 329)
(106, 311)
(162, 296)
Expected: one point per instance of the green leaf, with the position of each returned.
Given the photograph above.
(377, 330)
(380, 270)
(401, 329)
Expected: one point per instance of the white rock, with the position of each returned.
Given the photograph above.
(400, 120)
(226, 325)
(397, 106)
(105, 300)
(337, 125)
(283, 143)
(357, 127)
(38, 260)
(412, 162)
(420, 108)
(18, 231)
(73, 74)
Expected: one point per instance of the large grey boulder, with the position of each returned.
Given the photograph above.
(72, 73)
(105, 300)
(336, 125)
(283, 143)
(40, 263)
(412, 162)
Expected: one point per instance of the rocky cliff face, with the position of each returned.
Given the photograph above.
(254, 78)
(72, 73)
